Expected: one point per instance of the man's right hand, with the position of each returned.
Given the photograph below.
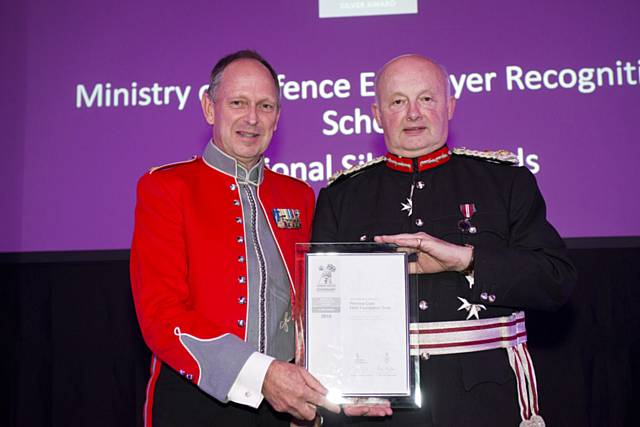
(379, 410)
(290, 388)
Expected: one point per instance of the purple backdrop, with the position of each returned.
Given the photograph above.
(70, 168)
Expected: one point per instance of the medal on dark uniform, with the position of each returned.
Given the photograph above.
(409, 205)
(467, 210)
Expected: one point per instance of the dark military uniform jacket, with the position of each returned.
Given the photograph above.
(519, 259)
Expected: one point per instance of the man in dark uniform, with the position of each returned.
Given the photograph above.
(485, 252)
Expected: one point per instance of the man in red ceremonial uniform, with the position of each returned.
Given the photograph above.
(485, 252)
(212, 263)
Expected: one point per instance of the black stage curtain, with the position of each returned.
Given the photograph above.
(73, 354)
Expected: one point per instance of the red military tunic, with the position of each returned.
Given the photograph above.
(188, 269)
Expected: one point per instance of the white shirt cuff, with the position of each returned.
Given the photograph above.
(247, 388)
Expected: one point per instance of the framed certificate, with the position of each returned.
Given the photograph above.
(357, 322)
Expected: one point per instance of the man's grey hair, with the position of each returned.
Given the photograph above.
(442, 68)
(216, 74)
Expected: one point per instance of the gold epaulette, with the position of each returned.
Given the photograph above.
(354, 169)
(497, 156)
(168, 165)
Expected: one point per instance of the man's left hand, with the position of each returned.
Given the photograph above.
(434, 255)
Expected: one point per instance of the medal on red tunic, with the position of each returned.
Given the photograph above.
(467, 210)
(287, 218)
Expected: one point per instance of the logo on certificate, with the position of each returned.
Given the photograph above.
(326, 282)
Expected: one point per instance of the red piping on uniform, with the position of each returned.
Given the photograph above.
(477, 342)
(465, 328)
(151, 387)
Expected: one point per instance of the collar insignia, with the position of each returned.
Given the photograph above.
(428, 161)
